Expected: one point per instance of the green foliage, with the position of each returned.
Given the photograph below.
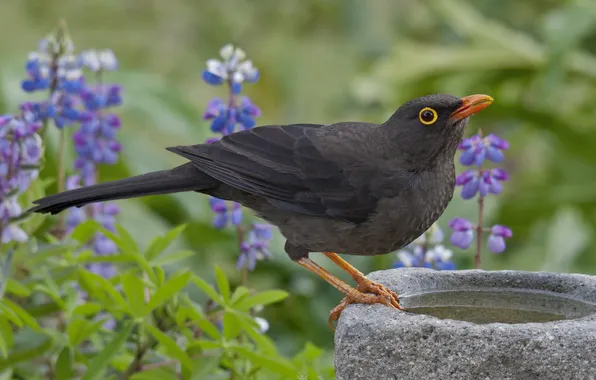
(140, 324)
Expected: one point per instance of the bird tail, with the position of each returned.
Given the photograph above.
(182, 178)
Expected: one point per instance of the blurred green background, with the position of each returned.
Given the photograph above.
(327, 61)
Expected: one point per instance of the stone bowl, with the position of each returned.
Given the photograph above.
(472, 324)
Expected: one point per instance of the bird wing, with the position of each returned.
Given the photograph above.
(303, 168)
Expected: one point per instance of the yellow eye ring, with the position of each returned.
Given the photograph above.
(428, 116)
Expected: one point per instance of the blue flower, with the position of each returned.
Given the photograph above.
(232, 68)
(407, 258)
(225, 118)
(98, 60)
(440, 257)
(476, 149)
(463, 234)
(481, 181)
(38, 71)
(221, 119)
(225, 213)
(20, 153)
(496, 239)
(247, 112)
(426, 251)
(255, 247)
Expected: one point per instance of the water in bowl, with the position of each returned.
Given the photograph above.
(497, 305)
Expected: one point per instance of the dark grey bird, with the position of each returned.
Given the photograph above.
(351, 187)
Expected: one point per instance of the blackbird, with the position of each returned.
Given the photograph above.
(350, 187)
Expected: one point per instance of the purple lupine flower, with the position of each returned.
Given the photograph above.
(225, 212)
(463, 232)
(38, 72)
(255, 247)
(226, 116)
(222, 119)
(440, 257)
(54, 64)
(481, 181)
(246, 113)
(20, 152)
(95, 143)
(496, 239)
(407, 258)
(476, 149)
(99, 60)
(232, 69)
(426, 251)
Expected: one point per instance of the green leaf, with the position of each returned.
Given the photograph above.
(263, 342)
(64, 368)
(170, 345)
(127, 239)
(208, 290)
(263, 298)
(160, 276)
(101, 289)
(3, 347)
(98, 365)
(309, 353)
(10, 315)
(87, 309)
(30, 352)
(6, 335)
(50, 293)
(49, 250)
(80, 329)
(239, 294)
(222, 284)
(199, 318)
(14, 287)
(277, 365)
(232, 326)
(205, 344)
(205, 364)
(90, 257)
(171, 258)
(160, 373)
(27, 319)
(161, 243)
(168, 290)
(85, 231)
(135, 295)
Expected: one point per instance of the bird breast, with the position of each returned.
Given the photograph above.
(396, 222)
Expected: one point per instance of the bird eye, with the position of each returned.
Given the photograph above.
(428, 116)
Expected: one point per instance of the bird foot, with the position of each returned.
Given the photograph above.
(380, 294)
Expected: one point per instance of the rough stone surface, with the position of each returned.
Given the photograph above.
(376, 342)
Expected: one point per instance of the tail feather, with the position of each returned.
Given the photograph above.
(182, 178)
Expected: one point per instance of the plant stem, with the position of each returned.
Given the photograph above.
(424, 250)
(61, 180)
(479, 225)
(135, 365)
(239, 230)
(479, 232)
(142, 348)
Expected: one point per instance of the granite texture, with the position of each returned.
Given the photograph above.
(376, 342)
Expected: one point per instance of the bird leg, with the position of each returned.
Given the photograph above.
(360, 295)
(364, 284)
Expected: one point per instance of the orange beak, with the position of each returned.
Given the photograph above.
(471, 104)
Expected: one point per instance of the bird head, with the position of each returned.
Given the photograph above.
(431, 127)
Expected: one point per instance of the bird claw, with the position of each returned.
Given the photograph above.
(380, 294)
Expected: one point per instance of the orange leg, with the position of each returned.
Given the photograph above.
(364, 284)
(380, 294)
